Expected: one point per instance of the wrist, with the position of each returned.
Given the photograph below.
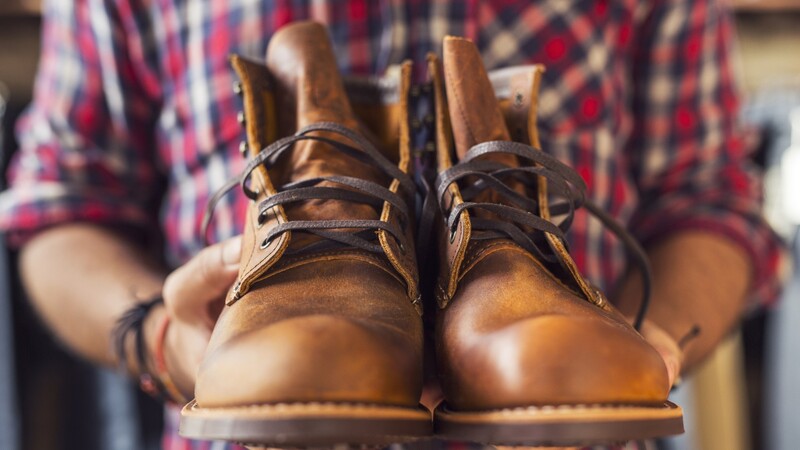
(139, 337)
(152, 340)
(129, 344)
(155, 332)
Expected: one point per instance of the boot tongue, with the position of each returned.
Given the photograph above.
(474, 111)
(475, 114)
(301, 59)
(308, 90)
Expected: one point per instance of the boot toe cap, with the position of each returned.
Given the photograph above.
(317, 358)
(556, 360)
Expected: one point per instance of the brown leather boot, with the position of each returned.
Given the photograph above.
(321, 339)
(528, 352)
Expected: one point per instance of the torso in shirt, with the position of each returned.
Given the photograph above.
(583, 114)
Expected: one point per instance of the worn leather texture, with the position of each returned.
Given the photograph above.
(511, 333)
(340, 325)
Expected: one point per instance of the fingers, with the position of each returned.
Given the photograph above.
(190, 289)
(432, 395)
(185, 347)
(666, 346)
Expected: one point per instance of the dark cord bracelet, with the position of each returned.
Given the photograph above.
(132, 321)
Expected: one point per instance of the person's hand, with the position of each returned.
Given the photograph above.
(666, 346)
(194, 296)
(432, 394)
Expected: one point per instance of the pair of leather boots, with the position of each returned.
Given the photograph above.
(322, 337)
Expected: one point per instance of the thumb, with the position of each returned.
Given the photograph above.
(666, 346)
(203, 279)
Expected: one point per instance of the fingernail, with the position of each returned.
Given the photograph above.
(672, 370)
(232, 252)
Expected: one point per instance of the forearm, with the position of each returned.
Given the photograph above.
(81, 278)
(698, 279)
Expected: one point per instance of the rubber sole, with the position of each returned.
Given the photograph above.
(560, 426)
(306, 424)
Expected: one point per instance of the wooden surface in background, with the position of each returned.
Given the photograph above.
(20, 8)
(766, 5)
(34, 7)
(767, 50)
(19, 53)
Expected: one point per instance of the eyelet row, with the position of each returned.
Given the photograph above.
(238, 89)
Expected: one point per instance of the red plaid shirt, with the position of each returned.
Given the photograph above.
(133, 109)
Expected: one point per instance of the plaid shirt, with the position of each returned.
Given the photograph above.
(133, 109)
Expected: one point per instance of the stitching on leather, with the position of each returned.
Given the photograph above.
(568, 408)
(483, 252)
(584, 286)
(390, 254)
(293, 262)
(304, 258)
(561, 250)
(458, 259)
(404, 133)
(457, 244)
(292, 259)
(463, 221)
(514, 247)
(325, 257)
(247, 85)
(441, 296)
(442, 110)
(249, 252)
(279, 405)
(257, 265)
(390, 247)
(478, 253)
(252, 83)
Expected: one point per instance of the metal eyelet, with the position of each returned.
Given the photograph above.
(599, 298)
(265, 243)
(453, 232)
(237, 88)
(236, 289)
(243, 148)
(241, 118)
(261, 220)
(402, 246)
(254, 197)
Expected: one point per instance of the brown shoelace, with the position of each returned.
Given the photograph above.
(358, 233)
(517, 218)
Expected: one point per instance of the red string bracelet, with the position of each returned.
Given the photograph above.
(173, 392)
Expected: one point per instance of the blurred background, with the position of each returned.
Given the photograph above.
(746, 397)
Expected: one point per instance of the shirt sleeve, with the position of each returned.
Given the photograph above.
(686, 153)
(86, 141)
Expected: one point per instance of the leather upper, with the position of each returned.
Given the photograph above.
(511, 331)
(339, 324)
